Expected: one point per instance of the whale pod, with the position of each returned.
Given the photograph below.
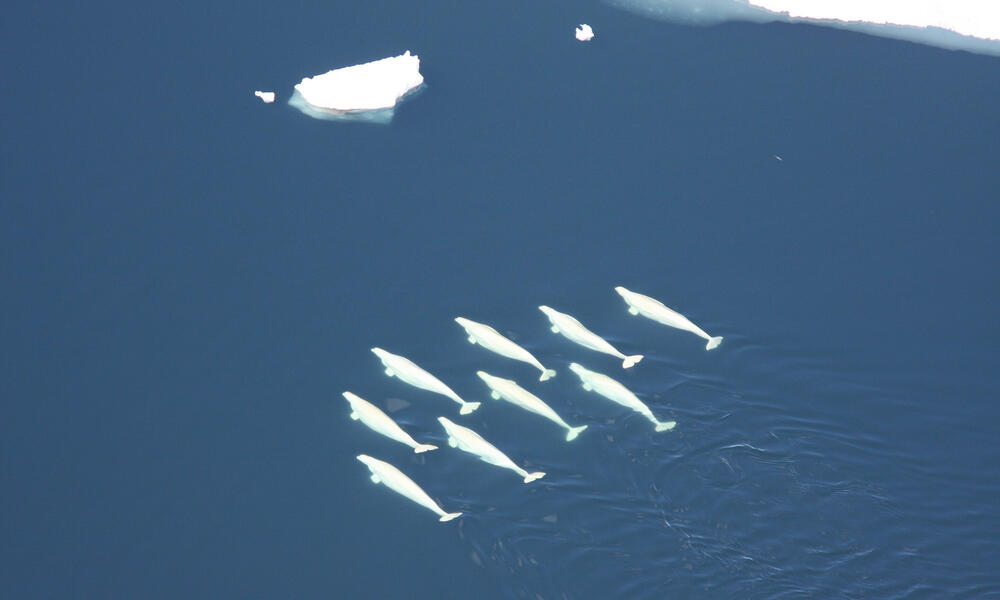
(397, 481)
(508, 390)
(408, 372)
(468, 440)
(618, 393)
(379, 422)
(651, 308)
(492, 340)
(576, 332)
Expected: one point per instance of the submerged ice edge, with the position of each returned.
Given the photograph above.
(950, 28)
(378, 117)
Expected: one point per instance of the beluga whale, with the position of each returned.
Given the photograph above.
(468, 440)
(576, 332)
(507, 389)
(652, 308)
(410, 373)
(379, 422)
(395, 480)
(618, 393)
(492, 340)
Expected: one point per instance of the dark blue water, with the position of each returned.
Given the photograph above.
(191, 278)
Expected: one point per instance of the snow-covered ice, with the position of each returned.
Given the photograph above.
(972, 25)
(265, 97)
(371, 87)
(584, 33)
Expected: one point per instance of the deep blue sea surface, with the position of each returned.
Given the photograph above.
(190, 279)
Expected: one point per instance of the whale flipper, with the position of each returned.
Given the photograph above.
(588, 387)
(355, 416)
(390, 372)
(376, 479)
(633, 311)
(554, 329)
(472, 341)
(495, 395)
(452, 442)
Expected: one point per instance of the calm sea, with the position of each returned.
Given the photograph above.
(191, 278)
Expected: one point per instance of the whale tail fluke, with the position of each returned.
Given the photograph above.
(449, 517)
(573, 432)
(631, 361)
(713, 343)
(533, 476)
(547, 374)
(469, 407)
(667, 426)
(424, 448)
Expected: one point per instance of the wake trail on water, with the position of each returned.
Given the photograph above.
(767, 483)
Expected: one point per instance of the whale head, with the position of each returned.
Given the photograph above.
(576, 368)
(379, 352)
(622, 291)
(366, 459)
(484, 376)
(545, 309)
(463, 321)
(445, 423)
(350, 397)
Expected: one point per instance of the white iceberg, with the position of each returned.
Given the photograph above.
(265, 97)
(971, 25)
(366, 92)
(584, 33)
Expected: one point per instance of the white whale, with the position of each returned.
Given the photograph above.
(616, 392)
(492, 340)
(652, 308)
(394, 479)
(379, 422)
(468, 440)
(410, 373)
(508, 390)
(576, 332)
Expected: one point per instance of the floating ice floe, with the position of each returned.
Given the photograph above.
(971, 25)
(584, 33)
(265, 97)
(367, 92)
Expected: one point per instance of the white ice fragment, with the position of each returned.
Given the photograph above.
(373, 86)
(265, 97)
(584, 33)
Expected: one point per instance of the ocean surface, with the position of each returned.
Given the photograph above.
(191, 278)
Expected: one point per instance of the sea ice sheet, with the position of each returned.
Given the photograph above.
(972, 25)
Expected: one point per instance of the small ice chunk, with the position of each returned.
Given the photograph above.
(377, 85)
(584, 33)
(265, 97)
